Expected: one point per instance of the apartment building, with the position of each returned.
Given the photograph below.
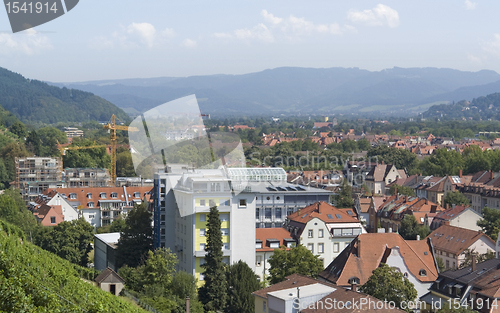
(266, 240)
(34, 175)
(99, 206)
(86, 177)
(324, 229)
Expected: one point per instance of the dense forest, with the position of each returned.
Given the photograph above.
(36, 102)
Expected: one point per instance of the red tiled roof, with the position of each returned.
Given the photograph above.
(454, 239)
(321, 210)
(263, 234)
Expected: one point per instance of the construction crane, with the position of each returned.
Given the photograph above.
(63, 149)
(112, 128)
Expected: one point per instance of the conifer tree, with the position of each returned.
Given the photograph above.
(242, 281)
(213, 294)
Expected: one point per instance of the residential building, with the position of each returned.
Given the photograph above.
(34, 175)
(266, 240)
(413, 258)
(394, 209)
(324, 229)
(99, 206)
(473, 287)
(86, 177)
(451, 244)
(380, 176)
(481, 196)
(72, 132)
(362, 207)
(459, 216)
(105, 250)
(109, 281)
(373, 220)
(49, 215)
(52, 198)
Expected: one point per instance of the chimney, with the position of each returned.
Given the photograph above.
(354, 286)
(473, 262)
(418, 237)
(447, 206)
(390, 230)
(492, 175)
(460, 173)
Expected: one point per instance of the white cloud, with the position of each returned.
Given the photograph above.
(469, 5)
(473, 58)
(381, 15)
(259, 32)
(135, 35)
(28, 42)
(145, 31)
(222, 35)
(271, 18)
(188, 43)
(493, 46)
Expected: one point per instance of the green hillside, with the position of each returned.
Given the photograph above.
(481, 108)
(34, 280)
(35, 102)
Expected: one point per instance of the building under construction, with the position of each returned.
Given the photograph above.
(34, 175)
(86, 177)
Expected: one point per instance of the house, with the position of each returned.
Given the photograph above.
(308, 295)
(362, 206)
(380, 176)
(49, 215)
(266, 240)
(52, 198)
(451, 244)
(105, 250)
(413, 258)
(110, 281)
(476, 286)
(324, 229)
(458, 216)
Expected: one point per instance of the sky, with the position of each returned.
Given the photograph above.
(114, 39)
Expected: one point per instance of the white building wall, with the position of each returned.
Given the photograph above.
(69, 212)
(468, 219)
(92, 216)
(242, 230)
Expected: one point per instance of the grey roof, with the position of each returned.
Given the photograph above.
(466, 275)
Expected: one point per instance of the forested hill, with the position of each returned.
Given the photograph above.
(482, 108)
(36, 102)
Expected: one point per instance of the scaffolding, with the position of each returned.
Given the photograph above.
(34, 175)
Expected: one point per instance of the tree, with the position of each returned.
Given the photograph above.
(69, 240)
(242, 281)
(402, 190)
(33, 143)
(440, 264)
(213, 294)
(490, 223)
(19, 129)
(479, 257)
(13, 210)
(456, 198)
(344, 198)
(137, 238)
(387, 283)
(298, 260)
(409, 227)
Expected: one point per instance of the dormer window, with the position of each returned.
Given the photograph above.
(72, 195)
(258, 244)
(422, 272)
(137, 194)
(89, 196)
(102, 195)
(114, 195)
(90, 204)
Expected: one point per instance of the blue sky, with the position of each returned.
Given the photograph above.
(129, 38)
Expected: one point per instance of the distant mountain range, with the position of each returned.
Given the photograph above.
(36, 102)
(289, 90)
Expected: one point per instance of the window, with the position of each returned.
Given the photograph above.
(320, 247)
(203, 202)
(257, 215)
(89, 196)
(114, 195)
(72, 195)
(202, 277)
(91, 216)
(320, 233)
(336, 247)
(268, 213)
(224, 217)
(90, 204)
(277, 213)
(137, 194)
(225, 231)
(102, 195)
(225, 246)
(243, 202)
(310, 233)
(203, 217)
(211, 203)
(264, 306)
(258, 245)
(52, 220)
(162, 217)
(310, 247)
(258, 260)
(202, 232)
(202, 246)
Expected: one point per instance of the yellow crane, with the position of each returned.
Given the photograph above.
(112, 128)
(63, 149)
